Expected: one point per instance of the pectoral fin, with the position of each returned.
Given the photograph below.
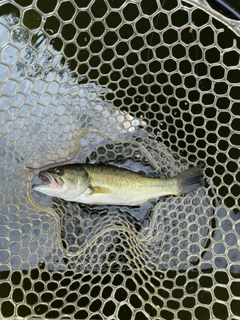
(99, 190)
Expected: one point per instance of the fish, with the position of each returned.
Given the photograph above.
(94, 184)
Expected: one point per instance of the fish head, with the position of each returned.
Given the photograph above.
(65, 182)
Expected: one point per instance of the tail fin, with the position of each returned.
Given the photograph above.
(190, 180)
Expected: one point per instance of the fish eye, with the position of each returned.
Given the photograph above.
(59, 171)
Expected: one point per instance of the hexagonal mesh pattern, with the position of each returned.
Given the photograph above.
(149, 85)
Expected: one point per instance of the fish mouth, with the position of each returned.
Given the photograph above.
(45, 177)
(48, 181)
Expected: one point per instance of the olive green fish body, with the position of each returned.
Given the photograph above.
(110, 185)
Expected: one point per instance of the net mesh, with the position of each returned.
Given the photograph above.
(151, 86)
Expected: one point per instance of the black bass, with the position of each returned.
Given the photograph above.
(110, 185)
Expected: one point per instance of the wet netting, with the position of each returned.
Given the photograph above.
(151, 86)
